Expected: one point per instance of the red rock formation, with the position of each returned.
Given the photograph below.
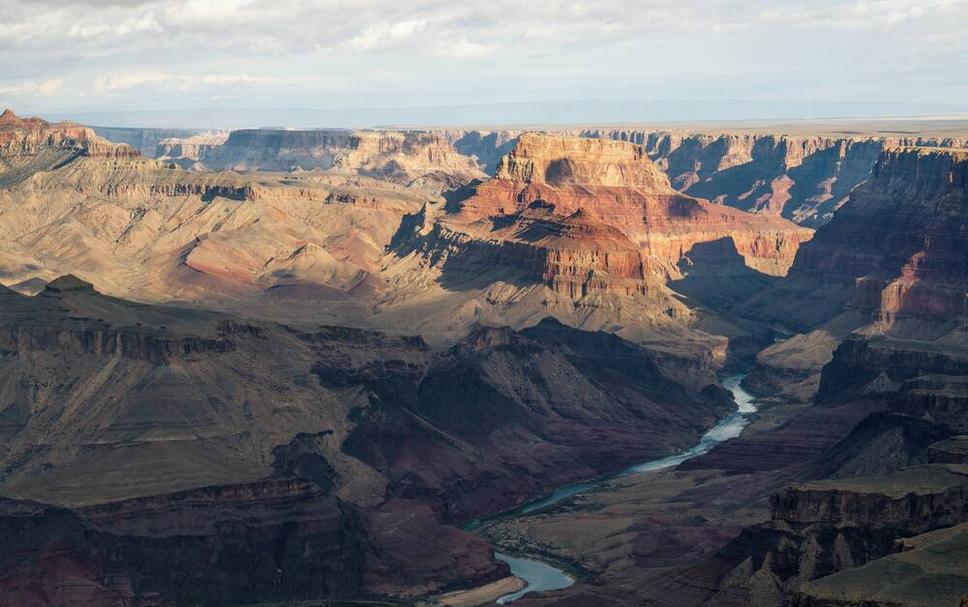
(26, 137)
(595, 216)
(892, 259)
(803, 177)
(898, 246)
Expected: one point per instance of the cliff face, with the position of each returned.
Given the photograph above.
(925, 379)
(254, 541)
(31, 144)
(187, 151)
(411, 158)
(891, 262)
(898, 239)
(590, 216)
(279, 149)
(804, 178)
(910, 502)
(145, 140)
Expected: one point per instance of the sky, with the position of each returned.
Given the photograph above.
(495, 60)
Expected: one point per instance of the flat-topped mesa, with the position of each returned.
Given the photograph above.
(539, 158)
(28, 137)
(192, 148)
(279, 149)
(913, 500)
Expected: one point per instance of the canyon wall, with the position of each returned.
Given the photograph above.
(802, 177)
(586, 216)
(145, 140)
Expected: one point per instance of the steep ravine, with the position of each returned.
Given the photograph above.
(542, 575)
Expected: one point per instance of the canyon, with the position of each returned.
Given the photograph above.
(267, 365)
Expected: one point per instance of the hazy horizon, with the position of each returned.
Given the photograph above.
(598, 113)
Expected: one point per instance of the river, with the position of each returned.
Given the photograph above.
(541, 576)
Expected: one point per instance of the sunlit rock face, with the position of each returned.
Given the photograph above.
(585, 216)
(804, 177)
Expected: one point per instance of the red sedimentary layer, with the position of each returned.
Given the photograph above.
(29, 136)
(594, 215)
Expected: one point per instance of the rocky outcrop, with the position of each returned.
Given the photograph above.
(188, 151)
(910, 501)
(144, 139)
(891, 257)
(825, 529)
(931, 570)
(279, 149)
(591, 216)
(220, 545)
(802, 177)
(921, 376)
(569, 161)
(950, 451)
(23, 138)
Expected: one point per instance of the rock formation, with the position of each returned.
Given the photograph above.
(145, 140)
(188, 152)
(890, 262)
(587, 217)
(139, 440)
(28, 145)
(412, 158)
(802, 177)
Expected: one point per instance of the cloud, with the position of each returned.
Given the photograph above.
(137, 51)
(127, 80)
(863, 14)
(122, 81)
(474, 28)
(387, 34)
(39, 88)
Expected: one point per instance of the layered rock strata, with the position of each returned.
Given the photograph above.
(586, 216)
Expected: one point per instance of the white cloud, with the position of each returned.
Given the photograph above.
(39, 88)
(122, 81)
(473, 28)
(381, 35)
(138, 49)
(130, 79)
